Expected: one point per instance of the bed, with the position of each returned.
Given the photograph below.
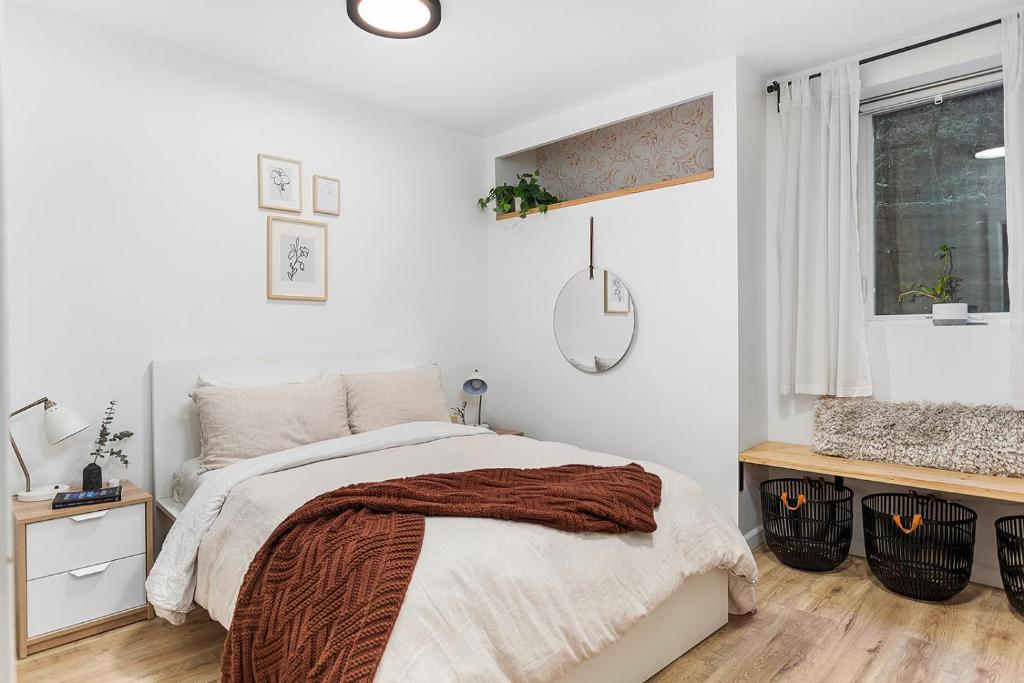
(489, 600)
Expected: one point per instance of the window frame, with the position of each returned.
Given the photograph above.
(866, 205)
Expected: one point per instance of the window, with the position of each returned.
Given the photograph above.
(930, 189)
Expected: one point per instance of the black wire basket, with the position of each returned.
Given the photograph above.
(919, 546)
(1010, 548)
(808, 523)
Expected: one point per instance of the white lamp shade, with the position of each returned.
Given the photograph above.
(475, 384)
(59, 423)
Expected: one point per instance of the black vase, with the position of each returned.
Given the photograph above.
(92, 477)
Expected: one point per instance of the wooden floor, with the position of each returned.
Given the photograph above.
(845, 626)
(839, 626)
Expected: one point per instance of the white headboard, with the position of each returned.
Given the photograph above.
(175, 425)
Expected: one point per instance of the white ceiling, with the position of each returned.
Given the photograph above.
(493, 65)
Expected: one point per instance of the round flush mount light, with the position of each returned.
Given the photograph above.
(396, 18)
(994, 153)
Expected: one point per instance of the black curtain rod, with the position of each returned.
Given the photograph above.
(774, 87)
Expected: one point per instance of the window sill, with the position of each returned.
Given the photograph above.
(989, 319)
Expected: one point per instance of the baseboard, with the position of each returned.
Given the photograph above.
(754, 537)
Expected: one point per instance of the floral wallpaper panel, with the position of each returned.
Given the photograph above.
(667, 144)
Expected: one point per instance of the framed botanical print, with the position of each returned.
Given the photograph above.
(616, 296)
(296, 259)
(326, 195)
(280, 183)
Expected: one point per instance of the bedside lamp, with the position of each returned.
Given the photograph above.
(476, 385)
(58, 424)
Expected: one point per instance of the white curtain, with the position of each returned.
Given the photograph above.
(823, 342)
(1013, 122)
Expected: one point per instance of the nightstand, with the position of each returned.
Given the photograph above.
(506, 432)
(80, 571)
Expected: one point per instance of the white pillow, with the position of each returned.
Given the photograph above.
(186, 480)
(263, 380)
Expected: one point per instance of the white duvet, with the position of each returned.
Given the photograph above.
(489, 599)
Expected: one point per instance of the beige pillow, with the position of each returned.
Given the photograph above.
(382, 399)
(242, 422)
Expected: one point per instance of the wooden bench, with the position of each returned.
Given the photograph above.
(804, 459)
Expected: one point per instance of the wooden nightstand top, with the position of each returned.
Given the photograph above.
(26, 513)
(506, 432)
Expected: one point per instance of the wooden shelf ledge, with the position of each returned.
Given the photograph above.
(706, 175)
(804, 459)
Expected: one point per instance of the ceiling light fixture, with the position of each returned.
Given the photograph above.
(396, 18)
(994, 153)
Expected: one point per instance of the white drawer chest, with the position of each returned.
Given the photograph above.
(81, 571)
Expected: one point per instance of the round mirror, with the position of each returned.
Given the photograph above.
(594, 320)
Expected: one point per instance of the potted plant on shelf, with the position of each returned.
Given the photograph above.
(526, 194)
(944, 294)
(92, 475)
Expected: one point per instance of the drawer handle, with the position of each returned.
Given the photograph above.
(89, 571)
(89, 515)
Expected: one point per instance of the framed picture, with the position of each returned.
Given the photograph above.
(296, 259)
(616, 296)
(280, 183)
(326, 195)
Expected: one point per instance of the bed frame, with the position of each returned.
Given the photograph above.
(691, 614)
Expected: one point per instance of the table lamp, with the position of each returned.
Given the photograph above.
(58, 424)
(476, 385)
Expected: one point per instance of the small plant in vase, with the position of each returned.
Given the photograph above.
(944, 294)
(458, 414)
(107, 446)
(527, 190)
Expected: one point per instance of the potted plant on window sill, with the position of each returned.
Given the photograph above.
(947, 308)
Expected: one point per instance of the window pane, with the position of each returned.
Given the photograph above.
(930, 190)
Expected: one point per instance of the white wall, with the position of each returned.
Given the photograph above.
(910, 359)
(753, 299)
(6, 532)
(134, 232)
(673, 399)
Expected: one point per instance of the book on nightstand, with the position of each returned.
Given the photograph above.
(72, 499)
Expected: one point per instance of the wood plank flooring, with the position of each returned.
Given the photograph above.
(838, 626)
(845, 626)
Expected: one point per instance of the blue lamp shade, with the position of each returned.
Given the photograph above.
(475, 384)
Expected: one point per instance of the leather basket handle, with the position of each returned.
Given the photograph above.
(800, 500)
(914, 524)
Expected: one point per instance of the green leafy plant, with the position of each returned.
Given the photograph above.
(106, 441)
(527, 189)
(946, 288)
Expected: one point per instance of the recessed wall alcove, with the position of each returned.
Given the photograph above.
(666, 147)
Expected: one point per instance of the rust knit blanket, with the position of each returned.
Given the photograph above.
(321, 596)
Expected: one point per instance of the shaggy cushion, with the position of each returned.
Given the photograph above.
(952, 436)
